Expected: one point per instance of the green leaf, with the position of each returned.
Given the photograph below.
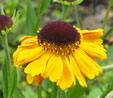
(30, 18)
(18, 93)
(29, 93)
(45, 4)
(95, 93)
(75, 91)
(5, 79)
(110, 53)
(46, 84)
(12, 3)
(13, 81)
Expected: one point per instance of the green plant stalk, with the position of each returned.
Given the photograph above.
(65, 8)
(6, 48)
(107, 13)
(39, 89)
(110, 87)
(107, 34)
(61, 93)
(77, 17)
(5, 80)
(54, 91)
(8, 61)
(38, 15)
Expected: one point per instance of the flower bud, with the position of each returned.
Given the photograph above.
(5, 22)
(69, 2)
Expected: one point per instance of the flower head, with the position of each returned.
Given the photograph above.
(5, 22)
(69, 2)
(62, 53)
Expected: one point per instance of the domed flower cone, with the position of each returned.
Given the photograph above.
(62, 53)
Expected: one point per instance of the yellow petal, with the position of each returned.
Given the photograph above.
(54, 68)
(37, 80)
(27, 51)
(25, 38)
(67, 79)
(82, 65)
(94, 50)
(37, 66)
(86, 64)
(77, 71)
(97, 65)
(29, 79)
(91, 34)
(15, 57)
(28, 42)
(28, 55)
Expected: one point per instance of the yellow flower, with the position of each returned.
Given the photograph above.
(62, 53)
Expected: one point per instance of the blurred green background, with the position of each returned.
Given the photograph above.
(91, 15)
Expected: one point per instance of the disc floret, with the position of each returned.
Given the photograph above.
(59, 37)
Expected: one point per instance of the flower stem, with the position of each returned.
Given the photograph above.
(107, 13)
(77, 17)
(54, 91)
(65, 8)
(5, 44)
(61, 93)
(39, 89)
(110, 87)
(6, 66)
(107, 34)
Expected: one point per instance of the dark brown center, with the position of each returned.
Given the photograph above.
(60, 33)
(5, 22)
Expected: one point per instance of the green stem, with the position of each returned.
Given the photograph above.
(107, 34)
(54, 91)
(107, 13)
(65, 8)
(5, 79)
(6, 67)
(61, 93)
(77, 17)
(39, 89)
(110, 87)
(5, 44)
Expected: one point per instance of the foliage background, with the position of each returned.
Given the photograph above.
(91, 15)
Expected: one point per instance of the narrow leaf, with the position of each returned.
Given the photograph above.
(107, 34)
(30, 18)
(5, 79)
(45, 4)
(18, 93)
(13, 81)
(75, 91)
